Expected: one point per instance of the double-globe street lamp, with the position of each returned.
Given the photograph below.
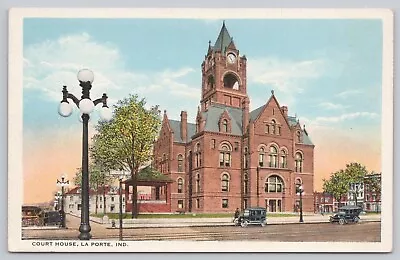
(86, 106)
(62, 183)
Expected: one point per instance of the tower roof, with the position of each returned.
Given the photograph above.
(223, 40)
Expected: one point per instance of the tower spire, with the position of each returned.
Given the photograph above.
(223, 40)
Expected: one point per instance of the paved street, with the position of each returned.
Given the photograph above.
(365, 232)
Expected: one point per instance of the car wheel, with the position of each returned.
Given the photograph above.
(244, 223)
(342, 221)
(236, 221)
(264, 223)
(356, 219)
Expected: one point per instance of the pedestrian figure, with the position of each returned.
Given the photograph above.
(237, 213)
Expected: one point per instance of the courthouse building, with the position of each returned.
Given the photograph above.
(233, 157)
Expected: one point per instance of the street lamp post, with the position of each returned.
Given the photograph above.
(57, 200)
(121, 177)
(301, 190)
(86, 106)
(63, 182)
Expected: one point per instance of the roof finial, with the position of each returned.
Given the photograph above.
(304, 127)
(209, 43)
(223, 23)
(165, 111)
(272, 92)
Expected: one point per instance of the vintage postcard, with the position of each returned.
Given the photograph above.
(200, 130)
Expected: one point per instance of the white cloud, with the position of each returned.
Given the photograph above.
(348, 93)
(332, 106)
(50, 64)
(343, 117)
(283, 75)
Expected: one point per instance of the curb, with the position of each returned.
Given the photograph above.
(230, 224)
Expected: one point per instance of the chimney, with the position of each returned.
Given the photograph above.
(284, 110)
(183, 125)
(245, 114)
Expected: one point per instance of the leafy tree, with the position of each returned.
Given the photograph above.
(340, 182)
(125, 142)
(336, 185)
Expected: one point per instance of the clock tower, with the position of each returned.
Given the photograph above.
(223, 73)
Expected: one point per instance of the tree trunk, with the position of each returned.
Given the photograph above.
(104, 199)
(135, 199)
(97, 198)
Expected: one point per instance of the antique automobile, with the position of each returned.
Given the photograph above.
(32, 216)
(346, 214)
(52, 218)
(252, 216)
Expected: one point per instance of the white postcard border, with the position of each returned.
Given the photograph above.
(15, 127)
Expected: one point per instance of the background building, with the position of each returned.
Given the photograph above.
(232, 157)
(324, 202)
(108, 198)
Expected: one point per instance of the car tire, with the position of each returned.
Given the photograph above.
(342, 221)
(356, 219)
(236, 222)
(264, 223)
(244, 223)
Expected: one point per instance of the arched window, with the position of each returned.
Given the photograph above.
(230, 80)
(273, 157)
(180, 185)
(225, 156)
(225, 182)
(261, 157)
(245, 158)
(180, 163)
(273, 124)
(198, 183)
(246, 183)
(298, 137)
(198, 155)
(210, 82)
(274, 183)
(225, 126)
(283, 159)
(298, 162)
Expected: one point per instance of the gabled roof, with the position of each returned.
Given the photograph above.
(255, 113)
(176, 128)
(292, 120)
(223, 40)
(213, 115)
(306, 139)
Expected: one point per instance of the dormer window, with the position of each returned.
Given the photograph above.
(298, 137)
(225, 125)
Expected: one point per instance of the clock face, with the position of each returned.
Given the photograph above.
(231, 58)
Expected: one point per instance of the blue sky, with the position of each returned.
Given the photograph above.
(323, 69)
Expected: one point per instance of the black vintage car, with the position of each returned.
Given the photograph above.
(52, 218)
(346, 214)
(252, 216)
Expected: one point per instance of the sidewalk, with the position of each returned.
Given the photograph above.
(206, 222)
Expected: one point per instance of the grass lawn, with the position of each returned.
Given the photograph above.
(187, 215)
